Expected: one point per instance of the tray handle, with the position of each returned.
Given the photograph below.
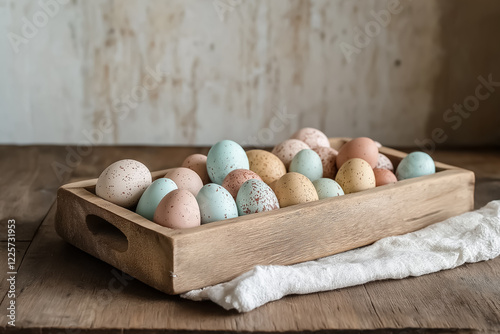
(107, 233)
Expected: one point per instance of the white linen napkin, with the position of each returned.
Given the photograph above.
(468, 238)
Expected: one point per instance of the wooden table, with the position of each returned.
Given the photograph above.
(61, 289)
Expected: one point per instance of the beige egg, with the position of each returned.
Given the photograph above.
(295, 188)
(312, 137)
(268, 166)
(363, 148)
(287, 150)
(328, 157)
(185, 178)
(198, 163)
(178, 209)
(123, 182)
(236, 178)
(355, 175)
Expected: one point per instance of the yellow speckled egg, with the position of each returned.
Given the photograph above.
(287, 150)
(267, 165)
(295, 188)
(355, 175)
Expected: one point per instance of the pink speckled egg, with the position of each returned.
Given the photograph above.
(384, 176)
(287, 150)
(384, 162)
(123, 182)
(328, 157)
(198, 163)
(178, 209)
(185, 178)
(312, 137)
(236, 178)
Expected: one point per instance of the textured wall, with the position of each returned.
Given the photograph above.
(86, 72)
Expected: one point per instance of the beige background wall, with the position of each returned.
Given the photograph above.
(236, 78)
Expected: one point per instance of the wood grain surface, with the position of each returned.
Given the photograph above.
(61, 289)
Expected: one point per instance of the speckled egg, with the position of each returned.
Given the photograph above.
(236, 178)
(415, 164)
(256, 196)
(178, 209)
(287, 150)
(383, 177)
(384, 162)
(295, 188)
(185, 178)
(327, 188)
(198, 163)
(123, 182)
(363, 148)
(308, 163)
(216, 203)
(153, 195)
(312, 137)
(355, 175)
(223, 158)
(328, 157)
(268, 166)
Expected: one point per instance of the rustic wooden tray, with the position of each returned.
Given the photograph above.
(176, 261)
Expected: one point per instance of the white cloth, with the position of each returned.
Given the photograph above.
(470, 237)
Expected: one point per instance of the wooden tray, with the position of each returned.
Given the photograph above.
(176, 261)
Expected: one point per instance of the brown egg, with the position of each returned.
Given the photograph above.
(355, 175)
(287, 150)
(236, 178)
(384, 162)
(178, 209)
(295, 188)
(198, 163)
(312, 137)
(362, 148)
(268, 166)
(384, 176)
(185, 178)
(328, 157)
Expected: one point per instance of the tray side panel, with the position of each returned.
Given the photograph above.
(218, 252)
(90, 224)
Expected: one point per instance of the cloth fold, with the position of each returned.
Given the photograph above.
(468, 238)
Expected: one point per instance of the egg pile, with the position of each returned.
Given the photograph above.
(229, 182)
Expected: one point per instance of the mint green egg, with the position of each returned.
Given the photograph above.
(223, 158)
(327, 188)
(415, 164)
(153, 195)
(308, 163)
(216, 203)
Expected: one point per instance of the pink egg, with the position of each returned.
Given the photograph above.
(236, 178)
(198, 163)
(312, 137)
(328, 157)
(287, 150)
(383, 177)
(178, 209)
(185, 178)
(362, 148)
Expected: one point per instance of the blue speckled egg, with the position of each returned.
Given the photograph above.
(216, 203)
(255, 196)
(153, 195)
(327, 188)
(415, 164)
(223, 158)
(308, 163)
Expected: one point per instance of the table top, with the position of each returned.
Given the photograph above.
(60, 287)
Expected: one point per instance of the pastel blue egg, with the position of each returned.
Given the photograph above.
(153, 195)
(415, 164)
(308, 163)
(256, 196)
(223, 158)
(216, 203)
(327, 188)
